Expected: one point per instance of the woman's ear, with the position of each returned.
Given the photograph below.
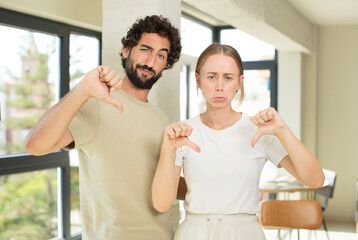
(197, 80)
(241, 80)
(125, 52)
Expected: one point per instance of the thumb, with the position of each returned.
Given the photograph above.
(193, 146)
(255, 138)
(117, 104)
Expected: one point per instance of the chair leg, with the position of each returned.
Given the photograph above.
(279, 234)
(298, 234)
(325, 228)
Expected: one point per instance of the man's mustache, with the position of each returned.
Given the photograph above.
(145, 67)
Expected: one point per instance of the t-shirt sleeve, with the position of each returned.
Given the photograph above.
(275, 152)
(179, 157)
(85, 125)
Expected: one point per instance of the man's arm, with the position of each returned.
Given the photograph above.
(51, 132)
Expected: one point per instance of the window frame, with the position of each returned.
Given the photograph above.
(270, 65)
(21, 163)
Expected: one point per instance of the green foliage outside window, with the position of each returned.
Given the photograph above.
(28, 206)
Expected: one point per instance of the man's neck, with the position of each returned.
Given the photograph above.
(140, 94)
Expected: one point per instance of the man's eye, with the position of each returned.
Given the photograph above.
(144, 50)
(161, 56)
(210, 77)
(229, 78)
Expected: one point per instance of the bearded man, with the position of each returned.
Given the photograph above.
(118, 134)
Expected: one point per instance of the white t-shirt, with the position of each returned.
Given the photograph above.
(224, 177)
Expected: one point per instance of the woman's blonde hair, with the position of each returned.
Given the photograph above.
(217, 48)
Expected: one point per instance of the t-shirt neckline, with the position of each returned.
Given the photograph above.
(222, 131)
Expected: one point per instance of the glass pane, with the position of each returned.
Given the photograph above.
(28, 205)
(29, 77)
(194, 37)
(257, 91)
(184, 92)
(197, 101)
(249, 47)
(84, 56)
(75, 193)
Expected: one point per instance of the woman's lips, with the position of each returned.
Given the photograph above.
(219, 99)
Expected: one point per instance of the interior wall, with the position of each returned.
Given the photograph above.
(309, 97)
(82, 13)
(337, 114)
(289, 89)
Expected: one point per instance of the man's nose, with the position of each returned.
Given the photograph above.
(150, 60)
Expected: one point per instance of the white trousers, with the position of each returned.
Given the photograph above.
(219, 227)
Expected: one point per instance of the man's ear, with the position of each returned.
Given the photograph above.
(125, 52)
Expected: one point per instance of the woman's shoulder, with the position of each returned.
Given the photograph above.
(192, 121)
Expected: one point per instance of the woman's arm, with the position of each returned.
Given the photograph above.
(167, 175)
(300, 162)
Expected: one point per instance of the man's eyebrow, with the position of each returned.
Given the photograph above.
(151, 48)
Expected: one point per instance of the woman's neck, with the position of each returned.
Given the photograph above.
(219, 119)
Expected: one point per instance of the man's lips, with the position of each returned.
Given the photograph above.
(146, 72)
(219, 99)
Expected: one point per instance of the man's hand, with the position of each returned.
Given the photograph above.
(100, 82)
(176, 135)
(269, 122)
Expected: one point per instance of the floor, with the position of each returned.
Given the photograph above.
(337, 231)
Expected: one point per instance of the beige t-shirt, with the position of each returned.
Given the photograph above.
(118, 157)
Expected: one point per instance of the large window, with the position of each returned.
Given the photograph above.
(260, 69)
(40, 61)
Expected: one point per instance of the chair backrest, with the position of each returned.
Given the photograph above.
(294, 214)
(330, 180)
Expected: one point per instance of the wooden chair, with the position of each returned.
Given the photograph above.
(291, 214)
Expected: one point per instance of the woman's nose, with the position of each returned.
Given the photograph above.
(219, 85)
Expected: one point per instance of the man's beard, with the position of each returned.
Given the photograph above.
(135, 79)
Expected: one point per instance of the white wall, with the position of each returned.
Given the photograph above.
(289, 89)
(337, 114)
(82, 13)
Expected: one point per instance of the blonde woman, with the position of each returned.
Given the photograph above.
(222, 153)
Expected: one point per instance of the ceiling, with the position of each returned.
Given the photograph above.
(320, 12)
(328, 12)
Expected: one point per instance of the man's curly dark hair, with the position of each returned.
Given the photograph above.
(154, 24)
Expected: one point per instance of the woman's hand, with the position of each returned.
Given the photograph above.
(176, 135)
(269, 122)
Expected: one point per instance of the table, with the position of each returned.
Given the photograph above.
(286, 184)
